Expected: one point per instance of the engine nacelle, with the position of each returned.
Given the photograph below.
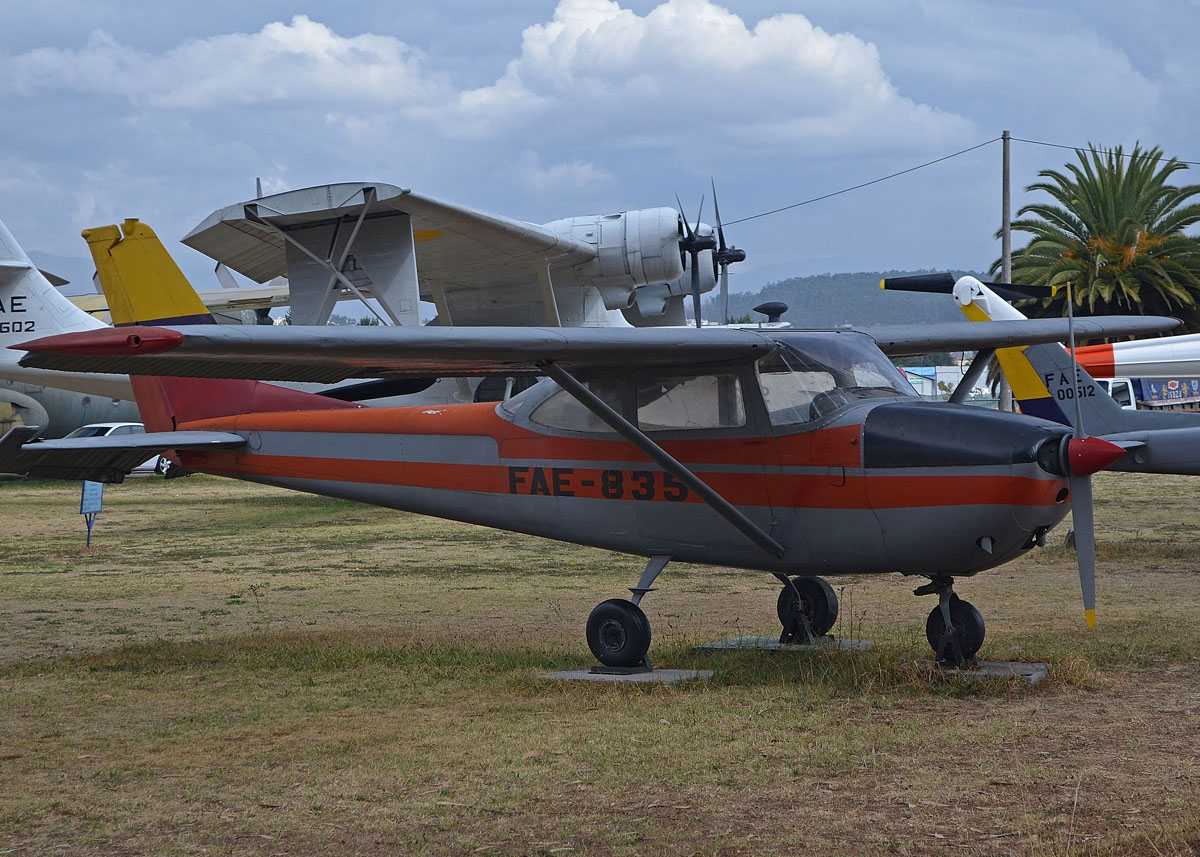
(633, 248)
(656, 299)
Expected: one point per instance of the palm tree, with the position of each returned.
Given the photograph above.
(1115, 234)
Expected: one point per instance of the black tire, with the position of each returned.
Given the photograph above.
(817, 600)
(618, 633)
(968, 627)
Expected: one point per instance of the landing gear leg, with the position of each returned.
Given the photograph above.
(954, 628)
(807, 608)
(618, 632)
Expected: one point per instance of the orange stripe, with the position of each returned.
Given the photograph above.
(826, 447)
(805, 490)
(1098, 360)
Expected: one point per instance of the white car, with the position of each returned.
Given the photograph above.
(150, 465)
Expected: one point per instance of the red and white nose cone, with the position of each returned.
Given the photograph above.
(1086, 455)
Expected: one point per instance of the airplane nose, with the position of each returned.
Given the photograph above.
(931, 435)
(1077, 456)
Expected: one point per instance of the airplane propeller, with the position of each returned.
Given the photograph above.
(722, 256)
(693, 243)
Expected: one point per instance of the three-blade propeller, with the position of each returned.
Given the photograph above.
(692, 242)
(722, 256)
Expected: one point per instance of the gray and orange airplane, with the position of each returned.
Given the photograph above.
(798, 453)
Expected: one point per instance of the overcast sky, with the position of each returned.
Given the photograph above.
(540, 109)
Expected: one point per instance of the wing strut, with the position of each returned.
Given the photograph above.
(664, 459)
(967, 384)
(546, 285)
(335, 272)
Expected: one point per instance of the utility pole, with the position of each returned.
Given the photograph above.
(1005, 403)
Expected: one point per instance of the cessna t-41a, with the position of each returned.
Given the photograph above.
(798, 453)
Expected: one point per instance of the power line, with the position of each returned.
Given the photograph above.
(1110, 152)
(864, 184)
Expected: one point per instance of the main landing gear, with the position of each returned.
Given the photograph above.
(807, 608)
(618, 632)
(954, 628)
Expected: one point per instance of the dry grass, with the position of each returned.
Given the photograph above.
(237, 670)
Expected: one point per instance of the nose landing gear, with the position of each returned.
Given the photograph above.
(954, 628)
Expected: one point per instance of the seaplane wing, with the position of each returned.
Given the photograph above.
(328, 355)
(465, 246)
(99, 459)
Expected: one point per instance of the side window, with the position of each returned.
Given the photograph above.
(119, 430)
(137, 429)
(1122, 394)
(564, 411)
(789, 392)
(675, 403)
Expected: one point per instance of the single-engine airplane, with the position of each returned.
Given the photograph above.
(798, 453)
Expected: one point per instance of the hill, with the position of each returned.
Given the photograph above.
(831, 300)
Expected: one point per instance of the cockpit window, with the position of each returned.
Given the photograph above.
(564, 411)
(676, 403)
(811, 375)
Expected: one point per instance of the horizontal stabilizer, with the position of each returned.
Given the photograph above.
(98, 459)
(943, 284)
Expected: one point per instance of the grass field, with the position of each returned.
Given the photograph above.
(232, 669)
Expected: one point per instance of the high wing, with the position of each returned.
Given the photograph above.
(328, 355)
(453, 242)
(99, 459)
(374, 238)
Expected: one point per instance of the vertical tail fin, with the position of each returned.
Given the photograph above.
(140, 279)
(143, 285)
(29, 304)
(1042, 377)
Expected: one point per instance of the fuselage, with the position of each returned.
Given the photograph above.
(871, 480)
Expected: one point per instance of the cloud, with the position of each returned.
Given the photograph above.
(562, 176)
(301, 62)
(688, 68)
(687, 73)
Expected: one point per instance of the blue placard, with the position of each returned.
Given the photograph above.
(92, 500)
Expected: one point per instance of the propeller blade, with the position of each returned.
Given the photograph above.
(687, 230)
(696, 285)
(1085, 543)
(1083, 457)
(717, 214)
(698, 215)
(724, 293)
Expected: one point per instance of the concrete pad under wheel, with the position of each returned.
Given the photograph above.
(1031, 672)
(647, 677)
(772, 644)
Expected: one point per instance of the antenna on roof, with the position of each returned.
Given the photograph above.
(258, 188)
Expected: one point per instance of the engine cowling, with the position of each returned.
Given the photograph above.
(633, 248)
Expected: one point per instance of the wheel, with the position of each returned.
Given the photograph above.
(817, 600)
(968, 627)
(162, 465)
(618, 633)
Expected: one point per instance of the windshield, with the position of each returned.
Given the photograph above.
(813, 374)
